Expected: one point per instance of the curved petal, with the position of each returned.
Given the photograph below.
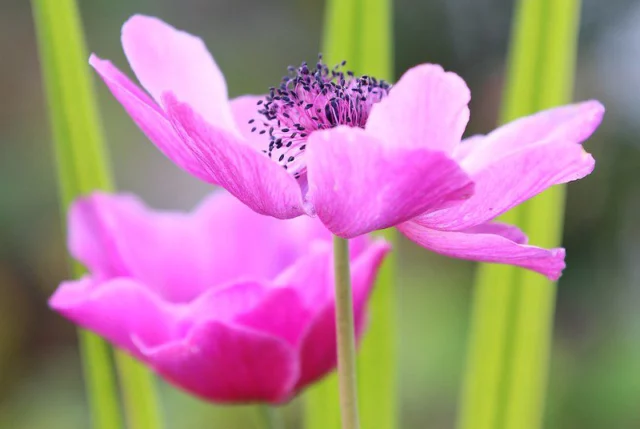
(505, 230)
(166, 59)
(357, 185)
(220, 241)
(427, 108)
(281, 314)
(149, 117)
(311, 276)
(262, 306)
(512, 180)
(318, 349)
(117, 309)
(572, 123)
(248, 174)
(244, 109)
(227, 363)
(487, 247)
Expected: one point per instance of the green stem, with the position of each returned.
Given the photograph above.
(511, 331)
(271, 417)
(139, 392)
(345, 333)
(361, 32)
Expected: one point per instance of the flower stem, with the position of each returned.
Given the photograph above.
(345, 335)
(271, 417)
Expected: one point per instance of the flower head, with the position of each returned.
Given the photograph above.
(223, 302)
(359, 154)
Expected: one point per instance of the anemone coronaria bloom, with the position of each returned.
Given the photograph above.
(222, 302)
(359, 154)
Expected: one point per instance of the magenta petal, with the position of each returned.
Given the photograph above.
(117, 309)
(220, 241)
(258, 305)
(312, 275)
(227, 363)
(166, 59)
(507, 231)
(318, 349)
(358, 185)
(427, 108)
(570, 123)
(149, 117)
(244, 108)
(485, 245)
(512, 180)
(245, 172)
(280, 314)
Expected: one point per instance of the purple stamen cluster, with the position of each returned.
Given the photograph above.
(310, 99)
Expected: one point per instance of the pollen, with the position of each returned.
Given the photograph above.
(309, 99)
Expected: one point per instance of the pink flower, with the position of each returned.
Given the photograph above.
(223, 302)
(353, 151)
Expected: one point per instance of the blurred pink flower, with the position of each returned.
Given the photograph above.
(223, 302)
(352, 151)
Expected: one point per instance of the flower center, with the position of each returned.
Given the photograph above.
(310, 99)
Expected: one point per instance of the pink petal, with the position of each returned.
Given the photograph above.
(116, 309)
(571, 123)
(259, 305)
(507, 231)
(165, 59)
(149, 117)
(227, 363)
(222, 240)
(512, 180)
(242, 170)
(358, 185)
(487, 246)
(318, 349)
(312, 275)
(427, 108)
(244, 109)
(280, 314)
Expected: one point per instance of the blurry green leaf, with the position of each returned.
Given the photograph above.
(83, 167)
(512, 318)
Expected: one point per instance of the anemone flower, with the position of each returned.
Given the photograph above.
(359, 154)
(225, 303)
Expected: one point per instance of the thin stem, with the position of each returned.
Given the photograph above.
(361, 32)
(345, 334)
(271, 417)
